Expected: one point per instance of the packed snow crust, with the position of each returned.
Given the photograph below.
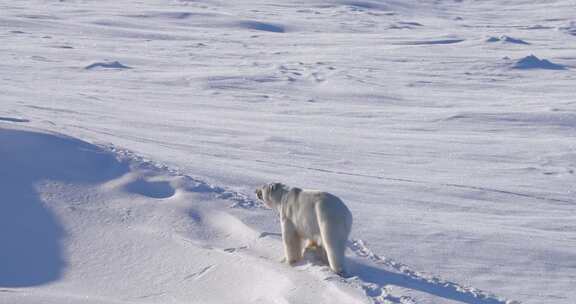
(133, 134)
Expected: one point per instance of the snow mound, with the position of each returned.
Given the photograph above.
(506, 39)
(262, 26)
(405, 25)
(433, 42)
(100, 225)
(370, 5)
(107, 65)
(80, 224)
(533, 62)
(31, 235)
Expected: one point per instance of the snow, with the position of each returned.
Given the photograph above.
(99, 229)
(133, 134)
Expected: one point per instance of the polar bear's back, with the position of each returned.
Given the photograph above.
(335, 208)
(309, 209)
(329, 207)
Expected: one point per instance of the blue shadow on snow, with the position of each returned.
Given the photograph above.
(381, 278)
(31, 237)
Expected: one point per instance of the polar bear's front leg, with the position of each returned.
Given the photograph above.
(292, 242)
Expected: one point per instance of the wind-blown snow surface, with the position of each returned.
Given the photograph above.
(104, 230)
(458, 167)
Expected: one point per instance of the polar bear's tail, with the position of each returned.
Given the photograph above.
(335, 222)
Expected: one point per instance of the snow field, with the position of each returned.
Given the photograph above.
(452, 160)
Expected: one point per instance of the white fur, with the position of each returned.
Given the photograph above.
(316, 217)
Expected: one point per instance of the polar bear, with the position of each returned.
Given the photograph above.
(318, 218)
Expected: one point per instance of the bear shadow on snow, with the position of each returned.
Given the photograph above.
(381, 278)
(31, 237)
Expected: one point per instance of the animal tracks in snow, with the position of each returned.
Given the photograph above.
(272, 76)
(384, 280)
(310, 72)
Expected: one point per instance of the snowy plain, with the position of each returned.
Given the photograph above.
(133, 134)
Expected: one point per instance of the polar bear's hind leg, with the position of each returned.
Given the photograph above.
(334, 234)
(292, 242)
(334, 252)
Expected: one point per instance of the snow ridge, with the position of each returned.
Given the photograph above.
(239, 200)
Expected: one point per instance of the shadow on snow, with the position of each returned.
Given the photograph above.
(450, 291)
(31, 237)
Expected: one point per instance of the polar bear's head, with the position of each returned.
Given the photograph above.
(271, 194)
